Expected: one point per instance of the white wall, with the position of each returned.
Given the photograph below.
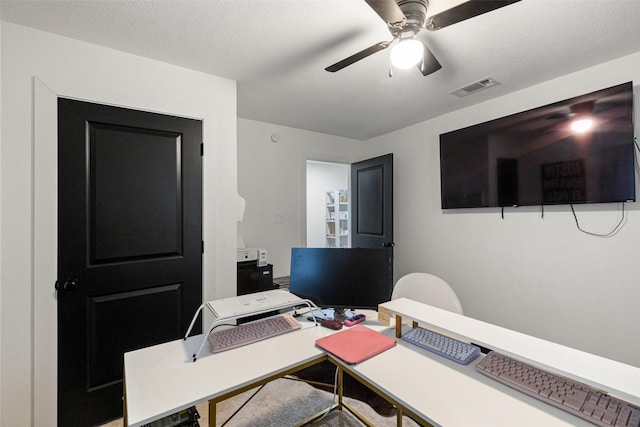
(1, 269)
(271, 177)
(322, 177)
(36, 67)
(536, 275)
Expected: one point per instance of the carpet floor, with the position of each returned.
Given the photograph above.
(285, 402)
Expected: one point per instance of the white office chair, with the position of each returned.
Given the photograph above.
(428, 289)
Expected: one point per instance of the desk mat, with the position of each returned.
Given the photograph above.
(356, 344)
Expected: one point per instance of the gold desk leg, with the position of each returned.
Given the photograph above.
(399, 416)
(340, 387)
(212, 413)
(398, 326)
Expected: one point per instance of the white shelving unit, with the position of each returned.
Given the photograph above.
(337, 219)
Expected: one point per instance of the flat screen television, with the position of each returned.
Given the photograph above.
(541, 157)
(342, 278)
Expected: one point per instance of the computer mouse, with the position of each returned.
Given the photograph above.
(331, 324)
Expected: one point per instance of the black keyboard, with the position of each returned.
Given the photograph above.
(580, 399)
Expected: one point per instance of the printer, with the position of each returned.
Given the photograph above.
(255, 255)
(254, 273)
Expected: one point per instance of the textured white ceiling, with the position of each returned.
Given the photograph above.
(277, 51)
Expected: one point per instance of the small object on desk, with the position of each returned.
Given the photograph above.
(355, 320)
(248, 333)
(384, 315)
(577, 398)
(331, 324)
(318, 315)
(442, 345)
(356, 344)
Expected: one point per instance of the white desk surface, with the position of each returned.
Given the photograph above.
(617, 378)
(446, 393)
(162, 379)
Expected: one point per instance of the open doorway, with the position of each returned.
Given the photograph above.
(328, 216)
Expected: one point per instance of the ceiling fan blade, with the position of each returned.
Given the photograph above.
(429, 63)
(388, 10)
(464, 11)
(357, 57)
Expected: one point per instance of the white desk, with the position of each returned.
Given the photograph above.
(445, 393)
(618, 379)
(162, 379)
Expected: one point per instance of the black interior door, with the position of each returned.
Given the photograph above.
(372, 203)
(129, 246)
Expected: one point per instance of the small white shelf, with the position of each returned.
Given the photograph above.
(337, 219)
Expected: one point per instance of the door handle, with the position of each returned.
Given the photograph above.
(67, 285)
(388, 244)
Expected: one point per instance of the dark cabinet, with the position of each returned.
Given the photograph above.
(252, 278)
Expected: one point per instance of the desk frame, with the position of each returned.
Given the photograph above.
(225, 396)
(387, 374)
(340, 405)
(401, 410)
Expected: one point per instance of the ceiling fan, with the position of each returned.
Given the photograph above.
(405, 19)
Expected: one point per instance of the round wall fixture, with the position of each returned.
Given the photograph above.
(275, 137)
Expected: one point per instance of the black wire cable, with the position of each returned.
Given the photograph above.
(621, 223)
(613, 232)
(221, 324)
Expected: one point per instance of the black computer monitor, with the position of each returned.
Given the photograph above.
(342, 278)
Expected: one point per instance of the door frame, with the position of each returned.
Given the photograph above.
(302, 189)
(43, 306)
(302, 173)
(320, 214)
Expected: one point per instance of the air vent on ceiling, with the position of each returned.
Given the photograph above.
(475, 87)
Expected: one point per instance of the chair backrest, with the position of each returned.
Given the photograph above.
(429, 289)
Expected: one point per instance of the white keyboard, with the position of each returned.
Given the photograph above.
(577, 398)
(251, 332)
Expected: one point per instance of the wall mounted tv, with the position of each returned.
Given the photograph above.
(537, 157)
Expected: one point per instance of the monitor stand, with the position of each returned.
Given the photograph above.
(339, 314)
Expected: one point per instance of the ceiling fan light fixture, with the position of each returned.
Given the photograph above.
(407, 53)
(582, 125)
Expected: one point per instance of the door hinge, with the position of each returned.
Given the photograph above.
(202, 247)
(202, 149)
